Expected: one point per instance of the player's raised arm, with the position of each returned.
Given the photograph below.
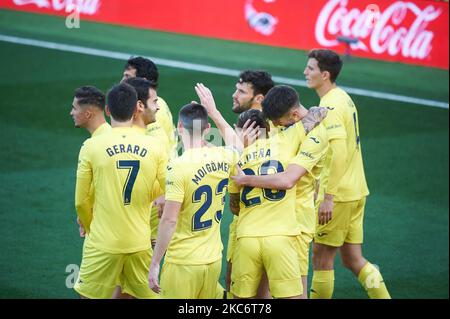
(226, 131)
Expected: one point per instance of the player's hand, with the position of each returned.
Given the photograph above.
(249, 132)
(81, 228)
(326, 210)
(240, 178)
(153, 275)
(159, 203)
(206, 98)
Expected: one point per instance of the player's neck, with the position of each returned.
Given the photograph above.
(256, 106)
(138, 122)
(95, 123)
(325, 88)
(115, 123)
(189, 143)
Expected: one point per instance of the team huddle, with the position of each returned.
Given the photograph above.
(294, 177)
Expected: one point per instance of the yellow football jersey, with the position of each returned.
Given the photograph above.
(265, 212)
(311, 156)
(199, 180)
(105, 127)
(342, 123)
(157, 190)
(123, 166)
(163, 128)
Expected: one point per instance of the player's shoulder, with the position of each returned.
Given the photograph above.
(288, 132)
(94, 140)
(318, 135)
(319, 130)
(179, 167)
(337, 101)
(226, 152)
(155, 143)
(291, 136)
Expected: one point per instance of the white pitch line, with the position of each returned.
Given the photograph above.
(211, 69)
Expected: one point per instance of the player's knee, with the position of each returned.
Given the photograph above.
(322, 258)
(353, 263)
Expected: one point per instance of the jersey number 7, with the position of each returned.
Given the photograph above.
(133, 169)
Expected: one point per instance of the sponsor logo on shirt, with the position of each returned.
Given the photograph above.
(307, 154)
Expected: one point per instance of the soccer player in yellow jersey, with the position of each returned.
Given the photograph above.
(88, 112)
(163, 126)
(147, 106)
(189, 229)
(303, 171)
(251, 88)
(309, 120)
(343, 197)
(267, 227)
(146, 110)
(123, 165)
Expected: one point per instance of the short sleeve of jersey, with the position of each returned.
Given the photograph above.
(334, 121)
(175, 188)
(312, 150)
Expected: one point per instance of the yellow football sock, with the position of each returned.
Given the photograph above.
(322, 284)
(370, 278)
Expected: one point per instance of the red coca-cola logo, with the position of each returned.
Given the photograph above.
(88, 7)
(389, 31)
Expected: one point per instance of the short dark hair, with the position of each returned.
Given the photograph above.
(254, 116)
(193, 112)
(142, 87)
(327, 60)
(89, 95)
(261, 80)
(122, 100)
(278, 101)
(145, 68)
